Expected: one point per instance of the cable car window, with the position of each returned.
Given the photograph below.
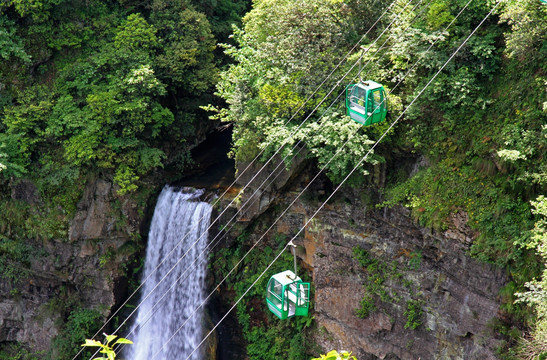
(274, 292)
(302, 294)
(292, 293)
(377, 101)
(357, 98)
(286, 301)
(292, 288)
(276, 287)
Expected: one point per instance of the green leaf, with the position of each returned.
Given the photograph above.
(109, 338)
(123, 341)
(89, 342)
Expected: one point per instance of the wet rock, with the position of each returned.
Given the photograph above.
(92, 221)
(457, 296)
(25, 190)
(460, 231)
(87, 267)
(11, 321)
(265, 184)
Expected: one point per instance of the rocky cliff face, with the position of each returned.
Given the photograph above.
(384, 287)
(84, 268)
(453, 298)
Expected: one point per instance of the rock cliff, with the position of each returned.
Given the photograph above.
(384, 287)
(454, 298)
(84, 270)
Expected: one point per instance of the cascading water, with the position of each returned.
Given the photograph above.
(180, 221)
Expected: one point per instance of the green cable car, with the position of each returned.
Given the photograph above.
(287, 295)
(366, 102)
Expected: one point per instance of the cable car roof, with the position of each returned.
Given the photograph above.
(286, 277)
(369, 84)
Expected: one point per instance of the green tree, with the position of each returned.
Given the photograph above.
(326, 138)
(38, 10)
(112, 123)
(526, 41)
(78, 325)
(222, 14)
(11, 44)
(185, 60)
(10, 157)
(284, 52)
(107, 105)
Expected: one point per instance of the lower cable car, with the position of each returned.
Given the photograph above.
(287, 295)
(366, 102)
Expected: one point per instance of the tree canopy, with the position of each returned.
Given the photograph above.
(479, 129)
(101, 88)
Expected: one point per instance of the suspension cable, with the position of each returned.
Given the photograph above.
(142, 283)
(415, 64)
(340, 185)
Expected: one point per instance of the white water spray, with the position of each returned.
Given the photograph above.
(176, 217)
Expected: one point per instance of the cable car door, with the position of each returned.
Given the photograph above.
(375, 106)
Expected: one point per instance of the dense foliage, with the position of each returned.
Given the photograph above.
(485, 146)
(90, 89)
(266, 336)
(284, 52)
(103, 92)
(536, 294)
(478, 132)
(117, 89)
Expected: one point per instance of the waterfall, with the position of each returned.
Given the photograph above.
(179, 220)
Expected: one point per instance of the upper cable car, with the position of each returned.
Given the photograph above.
(366, 102)
(287, 295)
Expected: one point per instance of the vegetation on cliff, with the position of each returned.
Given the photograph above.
(117, 89)
(101, 89)
(479, 131)
(266, 337)
(91, 89)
